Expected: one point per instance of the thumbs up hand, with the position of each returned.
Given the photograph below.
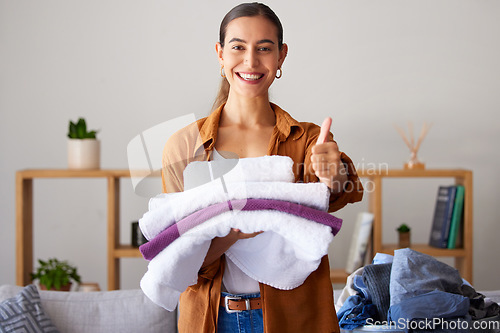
(326, 161)
(325, 130)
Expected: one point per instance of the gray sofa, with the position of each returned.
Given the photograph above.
(106, 311)
(125, 311)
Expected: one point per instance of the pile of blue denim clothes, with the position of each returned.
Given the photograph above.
(414, 292)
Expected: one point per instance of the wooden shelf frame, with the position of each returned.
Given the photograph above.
(24, 219)
(463, 257)
(115, 250)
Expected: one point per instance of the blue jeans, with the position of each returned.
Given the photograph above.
(248, 321)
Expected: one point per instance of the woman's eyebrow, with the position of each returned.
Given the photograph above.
(262, 41)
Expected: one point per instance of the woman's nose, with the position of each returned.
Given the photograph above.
(251, 59)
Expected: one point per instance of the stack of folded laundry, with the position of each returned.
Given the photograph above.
(256, 194)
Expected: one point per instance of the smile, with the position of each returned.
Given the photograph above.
(250, 77)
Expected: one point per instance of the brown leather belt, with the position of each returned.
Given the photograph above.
(238, 304)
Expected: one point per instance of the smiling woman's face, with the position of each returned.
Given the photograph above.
(251, 56)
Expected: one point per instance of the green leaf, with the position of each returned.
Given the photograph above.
(403, 228)
(81, 123)
(81, 128)
(78, 130)
(72, 130)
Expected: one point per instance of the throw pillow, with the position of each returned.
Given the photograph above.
(24, 313)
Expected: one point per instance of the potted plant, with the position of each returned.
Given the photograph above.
(83, 147)
(404, 235)
(56, 275)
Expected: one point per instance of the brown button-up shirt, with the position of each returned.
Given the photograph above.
(307, 308)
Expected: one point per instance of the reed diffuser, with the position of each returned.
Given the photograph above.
(414, 146)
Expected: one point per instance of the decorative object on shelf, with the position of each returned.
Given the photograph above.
(414, 162)
(137, 237)
(55, 274)
(89, 286)
(359, 245)
(443, 216)
(404, 232)
(456, 226)
(84, 150)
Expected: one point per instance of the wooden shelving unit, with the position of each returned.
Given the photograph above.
(24, 220)
(462, 256)
(338, 276)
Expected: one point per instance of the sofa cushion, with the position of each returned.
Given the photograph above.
(24, 313)
(104, 311)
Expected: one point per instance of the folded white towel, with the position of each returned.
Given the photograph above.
(168, 208)
(290, 248)
(283, 256)
(273, 168)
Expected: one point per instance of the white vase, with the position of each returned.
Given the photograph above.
(84, 154)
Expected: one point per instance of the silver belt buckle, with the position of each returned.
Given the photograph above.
(235, 298)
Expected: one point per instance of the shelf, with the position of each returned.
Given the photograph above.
(123, 251)
(463, 256)
(116, 251)
(424, 248)
(24, 218)
(69, 173)
(338, 276)
(402, 173)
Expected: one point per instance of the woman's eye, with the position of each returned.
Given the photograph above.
(237, 47)
(265, 49)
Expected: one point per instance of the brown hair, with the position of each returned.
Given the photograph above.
(244, 10)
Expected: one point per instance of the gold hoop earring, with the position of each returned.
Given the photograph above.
(281, 73)
(222, 72)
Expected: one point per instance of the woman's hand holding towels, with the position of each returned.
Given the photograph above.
(220, 245)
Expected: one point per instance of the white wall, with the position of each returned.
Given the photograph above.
(128, 65)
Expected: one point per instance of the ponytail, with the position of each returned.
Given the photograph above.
(222, 94)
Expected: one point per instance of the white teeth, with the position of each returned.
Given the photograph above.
(250, 77)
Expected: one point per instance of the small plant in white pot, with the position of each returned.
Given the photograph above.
(84, 150)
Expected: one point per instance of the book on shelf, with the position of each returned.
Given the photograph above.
(456, 218)
(359, 243)
(441, 221)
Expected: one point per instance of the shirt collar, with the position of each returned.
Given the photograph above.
(285, 125)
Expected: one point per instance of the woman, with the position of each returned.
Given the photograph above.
(251, 53)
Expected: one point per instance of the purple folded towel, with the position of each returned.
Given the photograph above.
(166, 237)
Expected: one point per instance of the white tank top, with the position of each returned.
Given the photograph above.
(234, 280)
